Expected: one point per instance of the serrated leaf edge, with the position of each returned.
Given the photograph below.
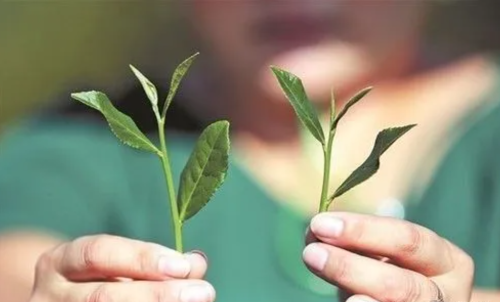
(141, 136)
(184, 206)
(177, 76)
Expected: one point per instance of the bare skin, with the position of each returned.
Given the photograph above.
(417, 260)
(349, 54)
(89, 269)
(17, 277)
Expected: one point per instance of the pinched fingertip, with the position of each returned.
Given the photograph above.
(199, 264)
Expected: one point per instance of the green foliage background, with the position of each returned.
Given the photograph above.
(48, 47)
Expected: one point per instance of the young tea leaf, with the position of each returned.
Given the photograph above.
(356, 98)
(177, 77)
(121, 125)
(205, 170)
(149, 88)
(384, 140)
(296, 94)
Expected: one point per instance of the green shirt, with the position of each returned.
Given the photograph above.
(75, 178)
(462, 202)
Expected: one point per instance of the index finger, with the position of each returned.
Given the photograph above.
(406, 244)
(105, 256)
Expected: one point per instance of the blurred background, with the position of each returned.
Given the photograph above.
(49, 47)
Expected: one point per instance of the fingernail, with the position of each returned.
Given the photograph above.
(197, 293)
(327, 226)
(198, 252)
(315, 256)
(174, 266)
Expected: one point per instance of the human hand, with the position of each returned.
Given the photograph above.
(106, 268)
(386, 260)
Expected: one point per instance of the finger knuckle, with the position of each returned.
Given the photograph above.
(143, 260)
(460, 259)
(47, 259)
(413, 242)
(44, 262)
(401, 289)
(92, 252)
(413, 291)
(100, 294)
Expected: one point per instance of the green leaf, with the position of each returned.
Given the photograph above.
(356, 98)
(295, 92)
(177, 77)
(370, 166)
(205, 170)
(122, 125)
(149, 88)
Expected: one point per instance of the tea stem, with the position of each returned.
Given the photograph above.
(327, 152)
(167, 170)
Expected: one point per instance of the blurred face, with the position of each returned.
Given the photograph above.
(342, 43)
